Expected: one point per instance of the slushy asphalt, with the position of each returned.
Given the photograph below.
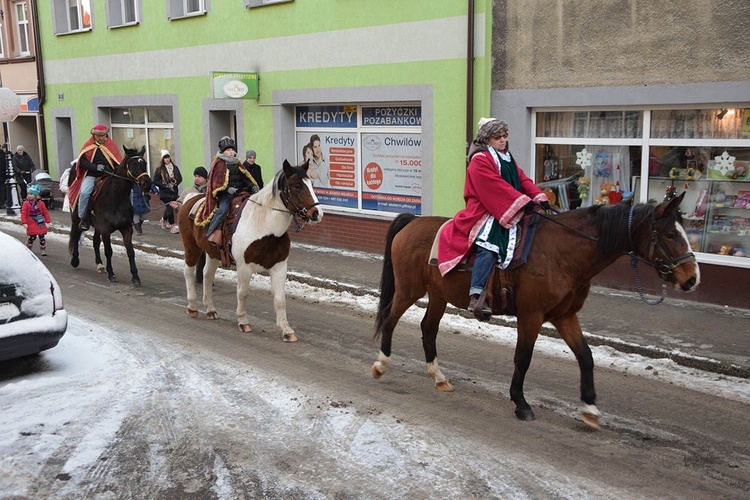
(701, 336)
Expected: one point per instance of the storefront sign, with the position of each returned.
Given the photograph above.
(326, 116)
(230, 85)
(392, 116)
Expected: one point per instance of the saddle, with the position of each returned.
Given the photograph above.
(228, 225)
(497, 286)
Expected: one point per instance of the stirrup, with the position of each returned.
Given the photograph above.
(476, 305)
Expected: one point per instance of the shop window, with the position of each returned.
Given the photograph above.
(123, 12)
(138, 126)
(71, 16)
(584, 158)
(177, 9)
(364, 158)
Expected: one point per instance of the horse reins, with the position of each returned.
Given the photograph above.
(664, 270)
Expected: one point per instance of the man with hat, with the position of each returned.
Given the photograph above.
(200, 177)
(23, 165)
(253, 167)
(98, 155)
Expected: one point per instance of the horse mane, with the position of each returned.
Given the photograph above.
(612, 221)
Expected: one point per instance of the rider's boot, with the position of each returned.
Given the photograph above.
(215, 238)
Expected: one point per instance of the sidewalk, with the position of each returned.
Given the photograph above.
(705, 337)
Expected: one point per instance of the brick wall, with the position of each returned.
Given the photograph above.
(346, 232)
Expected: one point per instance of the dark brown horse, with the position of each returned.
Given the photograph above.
(113, 211)
(568, 251)
(260, 243)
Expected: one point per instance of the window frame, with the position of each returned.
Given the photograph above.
(116, 12)
(177, 9)
(61, 19)
(22, 28)
(251, 4)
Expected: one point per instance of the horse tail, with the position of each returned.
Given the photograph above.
(387, 280)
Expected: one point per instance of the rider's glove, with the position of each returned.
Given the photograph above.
(100, 168)
(232, 190)
(545, 205)
(529, 207)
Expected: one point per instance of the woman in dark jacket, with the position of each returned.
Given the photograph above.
(167, 178)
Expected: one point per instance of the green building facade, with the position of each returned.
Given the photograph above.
(387, 86)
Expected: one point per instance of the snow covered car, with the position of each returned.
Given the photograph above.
(32, 317)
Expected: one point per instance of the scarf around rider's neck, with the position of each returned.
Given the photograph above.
(230, 160)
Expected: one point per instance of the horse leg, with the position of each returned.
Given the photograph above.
(244, 273)
(96, 241)
(528, 331)
(430, 325)
(278, 279)
(399, 306)
(108, 254)
(127, 238)
(570, 330)
(74, 239)
(192, 296)
(208, 287)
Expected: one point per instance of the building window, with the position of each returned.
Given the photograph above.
(260, 3)
(591, 157)
(123, 12)
(186, 8)
(22, 27)
(366, 158)
(2, 42)
(71, 16)
(152, 127)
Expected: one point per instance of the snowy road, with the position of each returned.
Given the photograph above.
(140, 401)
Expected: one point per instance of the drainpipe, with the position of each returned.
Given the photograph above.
(470, 78)
(40, 86)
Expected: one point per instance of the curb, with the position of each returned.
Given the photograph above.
(652, 352)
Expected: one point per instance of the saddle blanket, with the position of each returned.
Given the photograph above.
(524, 239)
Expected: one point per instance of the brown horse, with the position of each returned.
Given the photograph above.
(568, 251)
(113, 211)
(260, 243)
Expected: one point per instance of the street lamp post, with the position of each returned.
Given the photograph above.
(10, 107)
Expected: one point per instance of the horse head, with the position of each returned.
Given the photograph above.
(664, 245)
(297, 194)
(135, 167)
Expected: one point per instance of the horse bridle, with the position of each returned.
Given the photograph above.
(287, 199)
(664, 268)
(129, 176)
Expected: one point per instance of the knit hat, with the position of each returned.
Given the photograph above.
(226, 143)
(201, 171)
(164, 153)
(20, 148)
(490, 128)
(100, 130)
(250, 153)
(34, 189)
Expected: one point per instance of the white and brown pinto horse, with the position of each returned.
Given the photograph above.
(260, 243)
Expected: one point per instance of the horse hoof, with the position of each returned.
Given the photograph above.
(100, 269)
(591, 420)
(136, 282)
(74, 263)
(246, 328)
(590, 415)
(525, 414)
(212, 315)
(444, 386)
(289, 337)
(113, 279)
(376, 374)
(192, 314)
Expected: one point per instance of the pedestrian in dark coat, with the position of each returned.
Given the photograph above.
(23, 165)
